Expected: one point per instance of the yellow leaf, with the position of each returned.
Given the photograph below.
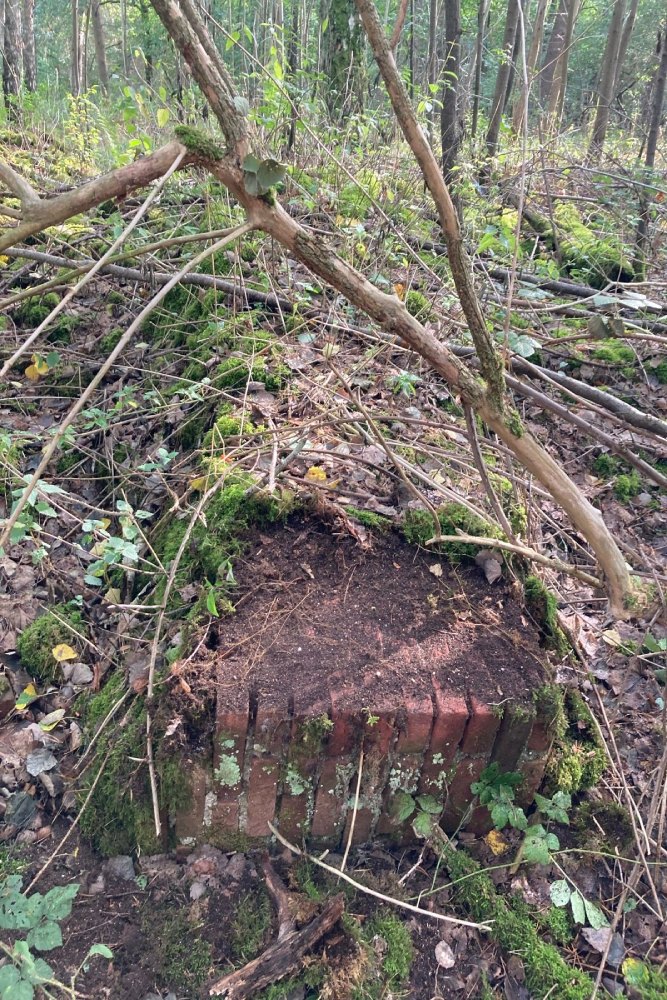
(497, 843)
(105, 522)
(4, 261)
(400, 291)
(27, 696)
(112, 595)
(316, 474)
(51, 720)
(40, 364)
(63, 652)
(198, 484)
(32, 373)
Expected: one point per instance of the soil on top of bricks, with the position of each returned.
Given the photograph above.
(320, 616)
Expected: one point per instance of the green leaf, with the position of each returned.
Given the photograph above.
(423, 824)
(402, 806)
(595, 916)
(210, 603)
(9, 976)
(100, 949)
(499, 816)
(92, 581)
(20, 989)
(163, 116)
(429, 804)
(251, 164)
(560, 892)
(251, 185)
(578, 910)
(269, 173)
(46, 936)
(58, 901)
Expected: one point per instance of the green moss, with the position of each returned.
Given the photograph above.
(198, 142)
(418, 305)
(184, 956)
(377, 522)
(514, 423)
(228, 424)
(543, 607)
(627, 486)
(399, 952)
(558, 923)
(33, 311)
(514, 929)
(660, 372)
(418, 528)
(614, 352)
(251, 925)
(36, 642)
(578, 759)
(110, 340)
(606, 824)
(605, 466)
(589, 256)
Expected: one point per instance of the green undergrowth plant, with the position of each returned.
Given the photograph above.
(184, 957)
(542, 605)
(38, 917)
(578, 759)
(418, 528)
(38, 640)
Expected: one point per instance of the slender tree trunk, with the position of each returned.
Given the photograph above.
(75, 42)
(482, 12)
(450, 128)
(521, 106)
(292, 69)
(502, 77)
(559, 84)
(412, 50)
(657, 101)
(123, 38)
(628, 25)
(432, 60)
(607, 77)
(554, 50)
(100, 46)
(517, 48)
(29, 57)
(12, 53)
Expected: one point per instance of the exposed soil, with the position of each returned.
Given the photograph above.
(317, 610)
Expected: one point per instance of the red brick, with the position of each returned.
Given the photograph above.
(459, 795)
(345, 736)
(451, 716)
(513, 735)
(225, 814)
(261, 801)
(293, 820)
(189, 822)
(480, 733)
(363, 825)
(414, 723)
(533, 769)
(331, 798)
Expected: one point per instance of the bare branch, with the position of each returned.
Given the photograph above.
(20, 187)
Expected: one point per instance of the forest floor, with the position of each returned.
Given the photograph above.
(304, 413)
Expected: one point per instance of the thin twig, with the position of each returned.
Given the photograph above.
(355, 809)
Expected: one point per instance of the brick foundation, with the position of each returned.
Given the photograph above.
(296, 765)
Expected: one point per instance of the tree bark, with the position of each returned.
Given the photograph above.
(75, 42)
(554, 49)
(657, 101)
(482, 12)
(559, 84)
(12, 53)
(29, 58)
(100, 46)
(502, 77)
(607, 77)
(450, 126)
(521, 107)
(628, 26)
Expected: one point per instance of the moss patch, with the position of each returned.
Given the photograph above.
(418, 528)
(36, 642)
(543, 608)
(578, 759)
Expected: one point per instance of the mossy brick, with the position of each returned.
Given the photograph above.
(348, 722)
(513, 734)
(459, 795)
(261, 796)
(449, 725)
(295, 815)
(481, 729)
(541, 736)
(189, 821)
(331, 798)
(532, 767)
(364, 821)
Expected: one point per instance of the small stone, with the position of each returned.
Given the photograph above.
(444, 955)
(236, 866)
(43, 833)
(197, 890)
(39, 761)
(122, 866)
(97, 886)
(81, 674)
(26, 837)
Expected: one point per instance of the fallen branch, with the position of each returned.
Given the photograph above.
(286, 954)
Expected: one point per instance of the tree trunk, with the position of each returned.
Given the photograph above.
(657, 101)
(450, 126)
(432, 60)
(292, 69)
(29, 58)
(100, 46)
(607, 77)
(554, 50)
(75, 41)
(521, 106)
(559, 85)
(482, 12)
(123, 38)
(628, 25)
(517, 49)
(502, 77)
(12, 53)
(342, 58)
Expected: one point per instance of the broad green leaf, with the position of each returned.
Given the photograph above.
(58, 901)
(560, 892)
(423, 824)
(210, 603)
(46, 936)
(163, 116)
(269, 173)
(635, 972)
(100, 949)
(402, 806)
(251, 164)
(429, 804)
(251, 185)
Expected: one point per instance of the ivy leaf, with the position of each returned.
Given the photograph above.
(595, 916)
(269, 173)
(560, 892)
(423, 824)
(578, 909)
